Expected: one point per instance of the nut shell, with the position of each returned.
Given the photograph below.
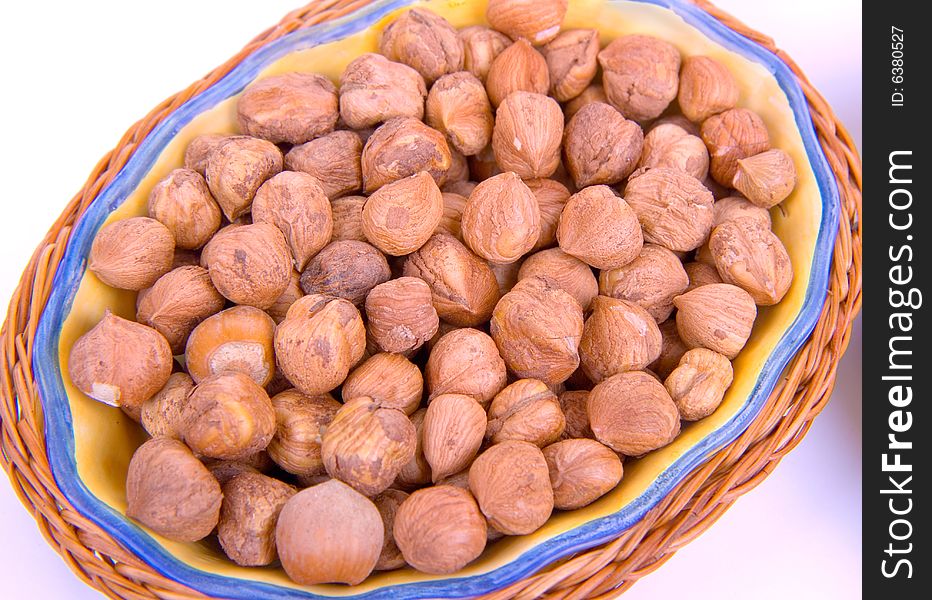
(199, 149)
(401, 316)
(388, 503)
(131, 254)
(374, 89)
(701, 274)
(425, 41)
(527, 135)
(736, 207)
(459, 107)
(291, 294)
(346, 269)
(517, 68)
(501, 219)
(640, 75)
(454, 426)
(593, 93)
(237, 168)
(300, 419)
(465, 361)
(632, 413)
(766, 178)
(670, 146)
(619, 336)
(160, 415)
(292, 108)
(403, 147)
(527, 411)
(651, 281)
(390, 379)
(182, 202)
(750, 256)
(600, 229)
(567, 272)
(674, 209)
(249, 264)
(572, 59)
(177, 302)
(416, 472)
(480, 47)
(347, 218)
(248, 515)
(551, 196)
(581, 472)
(573, 404)
(334, 160)
(730, 136)
(707, 88)
(717, 316)
(237, 340)
(699, 383)
(400, 216)
(537, 20)
(601, 146)
(511, 483)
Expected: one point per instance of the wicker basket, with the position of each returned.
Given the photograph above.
(604, 571)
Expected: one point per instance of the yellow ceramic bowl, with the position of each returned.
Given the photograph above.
(90, 444)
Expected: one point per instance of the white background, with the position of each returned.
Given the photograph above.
(77, 74)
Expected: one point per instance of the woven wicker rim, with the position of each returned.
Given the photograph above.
(600, 572)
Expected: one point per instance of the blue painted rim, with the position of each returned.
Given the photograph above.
(59, 426)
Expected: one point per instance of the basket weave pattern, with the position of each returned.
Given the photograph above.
(601, 572)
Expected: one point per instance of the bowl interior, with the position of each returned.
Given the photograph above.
(90, 444)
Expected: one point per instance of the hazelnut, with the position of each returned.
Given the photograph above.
(163, 476)
(347, 218)
(465, 361)
(601, 146)
(669, 146)
(698, 384)
(674, 119)
(388, 503)
(292, 108)
(160, 415)
(750, 256)
(346, 269)
(374, 89)
(238, 339)
(177, 302)
(718, 316)
(619, 336)
(527, 135)
(440, 529)
(402, 147)
(400, 216)
(581, 472)
(672, 350)
(300, 419)
(517, 68)
(425, 41)
(707, 88)
(199, 149)
(366, 445)
(567, 272)
(506, 274)
(334, 160)
(501, 219)
(483, 165)
(454, 426)
(184, 205)
(551, 196)
(459, 107)
(390, 379)
(228, 416)
(632, 413)
(225, 470)
(766, 178)
(640, 75)
(736, 207)
(573, 404)
(463, 287)
(527, 411)
(237, 168)
(703, 255)
(401, 316)
(318, 343)
(458, 171)
(329, 533)
(701, 274)
(537, 327)
(416, 472)
(451, 222)
(185, 258)
(674, 209)
(131, 254)
(511, 483)
(460, 188)
(249, 264)
(120, 363)
(248, 515)
(572, 59)
(730, 136)
(651, 281)
(480, 47)
(600, 229)
(291, 294)
(593, 93)
(537, 20)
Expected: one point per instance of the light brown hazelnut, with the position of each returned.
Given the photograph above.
(766, 178)
(567, 272)
(454, 426)
(573, 404)
(459, 107)
(480, 47)
(177, 302)
(182, 202)
(572, 59)
(537, 327)
(120, 363)
(292, 108)
(401, 316)
(185, 258)
(593, 93)
(698, 384)
(291, 294)
(675, 119)
(465, 361)
(300, 420)
(440, 529)
(164, 475)
(600, 229)
(374, 89)
(718, 316)
(425, 41)
(131, 254)
(237, 168)
(329, 533)
(463, 287)
(346, 269)
(501, 219)
(483, 165)
(750, 256)
(248, 515)
(416, 472)
(318, 343)
(669, 146)
(674, 209)
(388, 503)
(640, 75)
(527, 411)
(249, 264)
(551, 196)
(601, 146)
(458, 171)
(707, 88)
(400, 216)
(160, 415)
(451, 222)
(537, 20)
(347, 218)
(632, 413)
(238, 339)
(199, 149)
(460, 188)
(730, 136)
(334, 160)
(366, 445)
(517, 68)
(619, 336)
(651, 281)
(704, 255)
(390, 379)
(511, 483)
(736, 207)
(581, 472)
(700, 274)
(672, 350)
(403, 147)
(225, 470)
(527, 135)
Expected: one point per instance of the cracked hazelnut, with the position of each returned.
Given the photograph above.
(182, 202)
(249, 264)
(160, 415)
(400, 216)
(619, 336)
(390, 379)
(425, 41)
(374, 89)
(573, 403)
(454, 426)
(750, 256)
(601, 146)
(600, 229)
(632, 413)
(458, 106)
(707, 88)
(766, 178)
(701, 274)
(527, 411)
(131, 254)
(401, 316)
(736, 207)
(346, 269)
(640, 75)
(567, 272)
(480, 47)
(334, 160)
(177, 302)
(730, 136)
(511, 483)
(527, 135)
(347, 218)
(651, 281)
(237, 168)
(699, 383)
(300, 420)
(572, 58)
(593, 93)
(669, 146)
(292, 108)
(581, 472)
(465, 361)
(403, 147)
(388, 503)
(517, 68)
(248, 515)
(674, 209)
(718, 316)
(537, 20)
(238, 339)
(501, 219)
